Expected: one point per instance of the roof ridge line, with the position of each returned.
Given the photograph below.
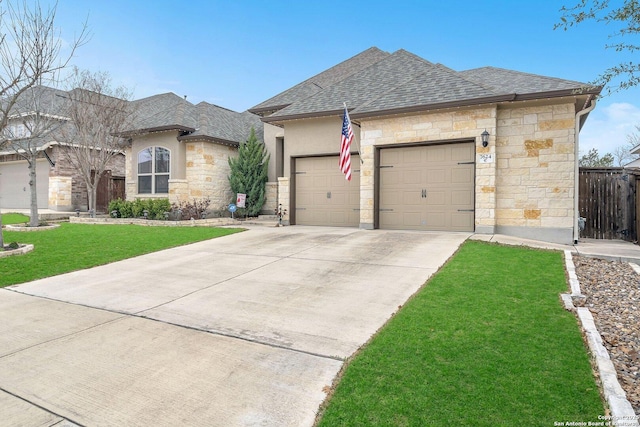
(458, 74)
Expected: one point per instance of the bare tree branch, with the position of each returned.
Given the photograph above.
(624, 18)
(99, 114)
(30, 54)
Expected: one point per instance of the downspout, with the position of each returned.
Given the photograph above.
(576, 173)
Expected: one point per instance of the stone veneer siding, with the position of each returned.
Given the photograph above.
(60, 193)
(284, 199)
(271, 198)
(67, 189)
(526, 190)
(535, 177)
(442, 126)
(207, 171)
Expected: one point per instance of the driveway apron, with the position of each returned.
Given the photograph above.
(248, 329)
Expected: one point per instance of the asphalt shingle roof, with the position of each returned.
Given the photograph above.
(323, 80)
(203, 120)
(403, 81)
(510, 81)
(363, 87)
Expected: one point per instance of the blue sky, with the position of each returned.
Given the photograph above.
(238, 53)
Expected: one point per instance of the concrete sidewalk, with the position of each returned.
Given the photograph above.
(249, 329)
(612, 250)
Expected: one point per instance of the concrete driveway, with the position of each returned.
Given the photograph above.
(245, 330)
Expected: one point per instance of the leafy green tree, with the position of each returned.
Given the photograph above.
(593, 160)
(249, 173)
(624, 19)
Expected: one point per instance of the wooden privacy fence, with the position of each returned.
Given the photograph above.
(608, 202)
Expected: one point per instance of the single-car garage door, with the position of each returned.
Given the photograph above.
(14, 184)
(429, 187)
(323, 196)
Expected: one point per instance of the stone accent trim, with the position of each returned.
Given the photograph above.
(60, 193)
(271, 198)
(284, 198)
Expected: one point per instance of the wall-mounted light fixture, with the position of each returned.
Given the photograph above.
(485, 138)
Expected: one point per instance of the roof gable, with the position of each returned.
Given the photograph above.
(204, 121)
(363, 87)
(427, 89)
(321, 81)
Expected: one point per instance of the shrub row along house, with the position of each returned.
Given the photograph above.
(419, 159)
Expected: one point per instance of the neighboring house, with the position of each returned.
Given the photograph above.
(634, 164)
(181, 151)
(59, 186)
(418, 126)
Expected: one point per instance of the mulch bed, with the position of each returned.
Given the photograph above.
(613, 297)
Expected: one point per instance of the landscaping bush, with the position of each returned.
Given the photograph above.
(135, 209)
(186, 210)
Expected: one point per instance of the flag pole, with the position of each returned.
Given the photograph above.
(354, 140)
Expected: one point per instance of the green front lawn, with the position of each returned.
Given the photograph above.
(14, 218)
(485, 343)
(76, 246)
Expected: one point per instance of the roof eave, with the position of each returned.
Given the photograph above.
(207, 138)
(559, 93)
(263, 110)
(178, 128)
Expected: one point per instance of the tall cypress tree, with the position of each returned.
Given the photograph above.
(249, 173)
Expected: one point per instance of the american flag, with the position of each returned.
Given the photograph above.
(345, 146)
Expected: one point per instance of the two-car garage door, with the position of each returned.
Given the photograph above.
(420, 187)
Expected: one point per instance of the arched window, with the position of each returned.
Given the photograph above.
(153, 170)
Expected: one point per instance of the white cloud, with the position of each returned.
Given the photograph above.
(608, 126)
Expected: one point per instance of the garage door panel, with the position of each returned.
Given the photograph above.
(409, 157)
(437, 176)
(14, 184)
(462, 198)
(461, 175)
(463, 153)
(461, 221)
(431, 202)
(436, 154)
(437, 199)
(410, 198)
(436, 220)
(412, 177)
(322, 194)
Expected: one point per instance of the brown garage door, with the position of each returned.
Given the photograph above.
(428, 187)
(323, 196)
(14, 184)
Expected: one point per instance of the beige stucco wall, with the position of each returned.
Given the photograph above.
(314, 137)
(167, 140)
(535, 176)
(449, 125)
(272, 132)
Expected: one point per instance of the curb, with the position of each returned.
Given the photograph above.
(20, 251)
(622, 413)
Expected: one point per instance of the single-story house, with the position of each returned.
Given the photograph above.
(59, 186)
(181, 151)
(419, 160)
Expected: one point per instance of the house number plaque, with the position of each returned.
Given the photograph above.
(485, 158)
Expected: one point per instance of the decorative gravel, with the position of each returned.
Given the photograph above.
(613, 297)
